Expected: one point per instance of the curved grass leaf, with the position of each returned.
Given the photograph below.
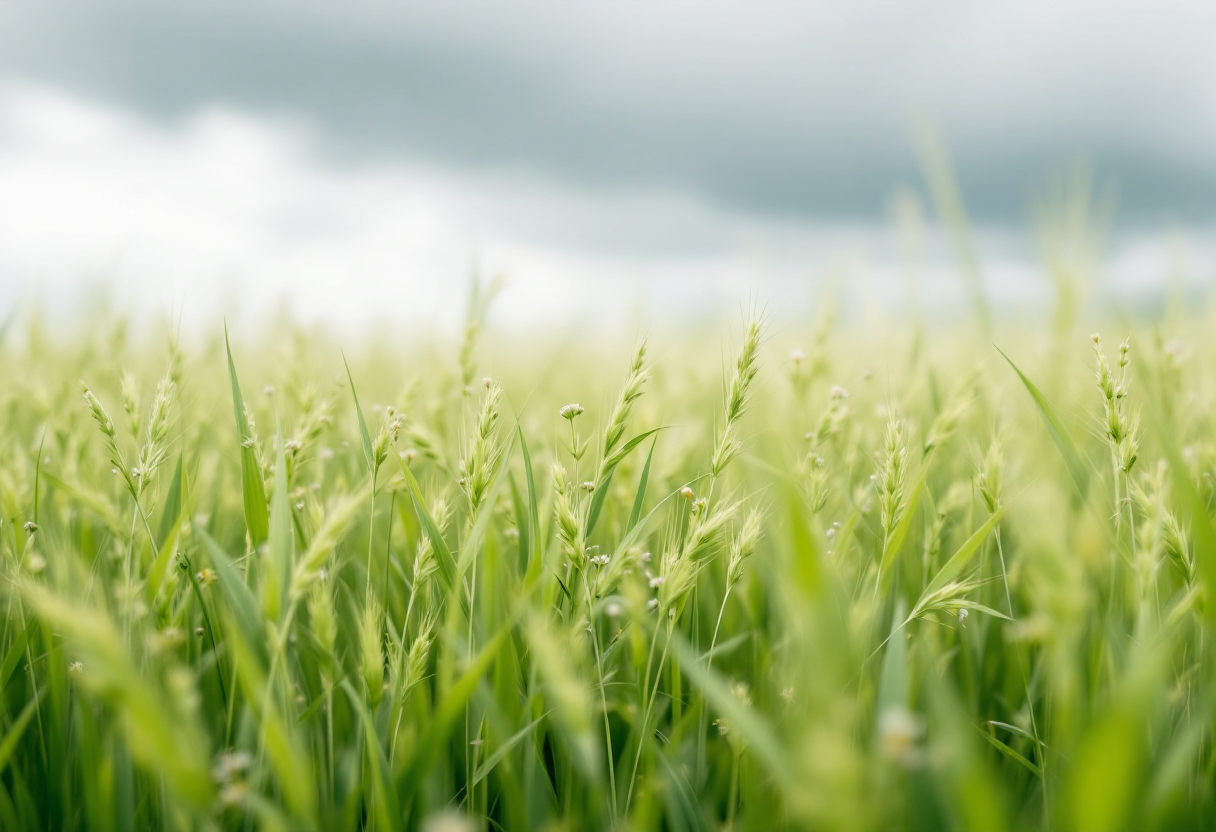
(171, 513)
(290, 764)
(444, 720)
(503, 750)
(639, 498)
(954, 567)
(15, 651)
(893, 683)
(240, 600)
(253, 490)
(443, 555)
(276, 577)
(9, 744)
(610, 464)
(177, 509)
(1013, 755)
(761, 737)
(534, 552)
(1059, 434)
(386, 808)
(368, 459)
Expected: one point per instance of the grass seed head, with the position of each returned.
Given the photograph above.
(371, 652)
(892, 474)
(742, 546)
(631, 391)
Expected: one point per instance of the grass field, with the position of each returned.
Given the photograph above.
(771, 577)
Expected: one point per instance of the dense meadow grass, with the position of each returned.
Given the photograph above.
(778, 576)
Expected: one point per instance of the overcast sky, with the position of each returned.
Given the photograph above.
(693, 134)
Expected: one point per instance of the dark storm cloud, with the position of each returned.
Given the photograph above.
(779, 109)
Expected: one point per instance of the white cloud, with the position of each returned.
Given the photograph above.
(231, 213)
(771, 107)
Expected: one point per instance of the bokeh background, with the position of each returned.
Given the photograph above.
(353, 163)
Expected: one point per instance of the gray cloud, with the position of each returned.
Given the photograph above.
(797, 110)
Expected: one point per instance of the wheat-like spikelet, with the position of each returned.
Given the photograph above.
(737, 398)
(631, 391)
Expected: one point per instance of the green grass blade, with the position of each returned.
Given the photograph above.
(760, 735)
(253, 490)
(170, 515)
(175, 512)
(503, 750)
(523, 520)
(534, 555)
(597, 500)
(291, 766)
(618, 456)
(1077, 469)
(954, 567)
(451, 710)
(9, 743)
(387, 808)
(15, 653)
(978, 607)
(804, 544)
(443, 555)
(893, 683)
(601, 487)
(1013, 755)
(240, 600)
(276, 577)
(363, 434)
(639, 498)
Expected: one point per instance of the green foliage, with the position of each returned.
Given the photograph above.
(728, 600)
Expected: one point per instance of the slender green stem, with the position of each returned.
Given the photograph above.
(703, 719)
(599, 668)
(1034, 725)
(733, 798)
(645, 680)
(648, 711)
(371, 528)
